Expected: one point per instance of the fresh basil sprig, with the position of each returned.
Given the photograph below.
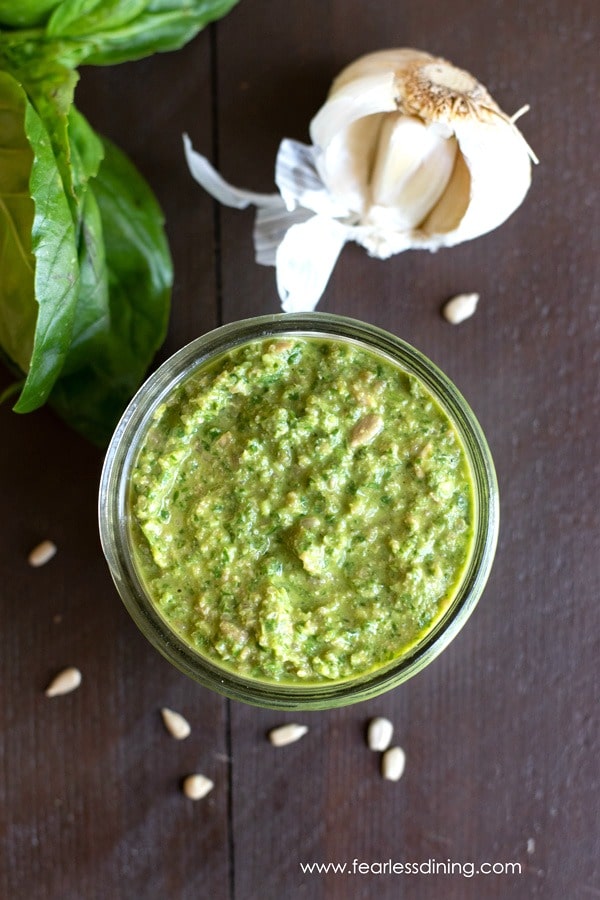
(103, 32)
(85, 268)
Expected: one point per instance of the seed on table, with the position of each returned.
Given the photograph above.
(197, 786)
(177, 726)
(41, 554)
(65, 682)
(459, 308)
(392, 763)
(379, 733)
(287, 734)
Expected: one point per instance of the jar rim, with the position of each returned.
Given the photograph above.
(114, 523)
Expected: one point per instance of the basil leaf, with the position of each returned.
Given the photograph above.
(75, 18)
(18, 309)
(50, 87)
(137, 253)
(25, 13)
(86, 151)
(104, 34)
(109, 363)
(92, 314)
(56, 268)
(40, 272)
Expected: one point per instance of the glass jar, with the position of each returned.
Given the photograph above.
(114, 514)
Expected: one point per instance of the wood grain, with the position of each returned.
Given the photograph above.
(501, 732)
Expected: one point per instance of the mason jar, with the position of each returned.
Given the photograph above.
(117, 524)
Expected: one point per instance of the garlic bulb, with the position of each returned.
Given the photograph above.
(407, 152)
(418, 152)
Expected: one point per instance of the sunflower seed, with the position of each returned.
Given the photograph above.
(379, 733)
(287, 734)
(392, 763)
(197, 786)
(176, 725)
(460, 308)
(65, 682)
(41, 554)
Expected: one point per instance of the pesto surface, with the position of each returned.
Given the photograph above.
(301, 510)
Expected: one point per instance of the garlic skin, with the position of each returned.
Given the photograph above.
(418, 152)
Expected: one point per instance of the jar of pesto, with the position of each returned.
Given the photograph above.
(299, 511)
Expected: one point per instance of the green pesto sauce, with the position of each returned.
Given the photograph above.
(301, 510)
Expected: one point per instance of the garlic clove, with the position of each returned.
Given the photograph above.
(346, 128)
(449, 211)
(365, 96)
(499, 176)
(412, 169)
(349, 161)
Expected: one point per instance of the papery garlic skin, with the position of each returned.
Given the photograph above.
(418, 152)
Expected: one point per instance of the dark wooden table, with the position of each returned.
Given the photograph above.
(501, 732)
